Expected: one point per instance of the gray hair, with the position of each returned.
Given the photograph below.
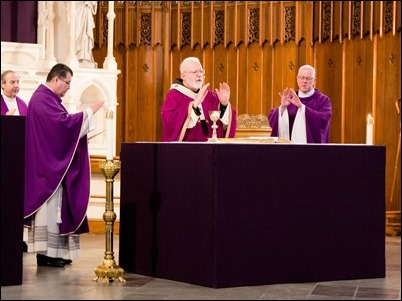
(187, 60)
(308, 67)
(4, 74)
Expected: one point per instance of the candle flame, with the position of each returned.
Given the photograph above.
(370, 119)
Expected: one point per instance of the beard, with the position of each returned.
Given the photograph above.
(197, 85)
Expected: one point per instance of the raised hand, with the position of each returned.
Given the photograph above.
(223, 93)
(97, 105)
(289, 96)
(285, 97)
(294, 99)
(201, 95)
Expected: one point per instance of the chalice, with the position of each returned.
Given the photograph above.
(214, 116)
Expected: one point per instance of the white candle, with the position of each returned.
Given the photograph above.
(109, 136)
(369, 130)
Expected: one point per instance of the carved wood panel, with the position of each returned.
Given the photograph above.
(257, 47)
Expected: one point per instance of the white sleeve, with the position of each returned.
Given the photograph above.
(225, 117)
(88, 122)
(194, 118)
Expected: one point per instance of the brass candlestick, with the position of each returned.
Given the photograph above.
(109, 270)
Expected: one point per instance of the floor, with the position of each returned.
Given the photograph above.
(76, 282)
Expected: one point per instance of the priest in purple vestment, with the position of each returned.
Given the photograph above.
(185, 111)
(303, 115)
(11, 104)
(57, 171)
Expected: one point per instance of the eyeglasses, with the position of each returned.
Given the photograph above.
(303, 78)
(68, 83)
(197, 72)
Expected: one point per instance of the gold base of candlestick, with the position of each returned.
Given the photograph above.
(109, 270)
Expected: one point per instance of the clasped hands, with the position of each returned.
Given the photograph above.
(11, 112)
(223, 94)
(289, 96)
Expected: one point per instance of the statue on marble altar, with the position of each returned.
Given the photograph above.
(84, 26)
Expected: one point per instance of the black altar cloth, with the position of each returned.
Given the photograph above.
(12, 197)
(227, 214)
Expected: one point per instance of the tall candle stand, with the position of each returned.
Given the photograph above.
(109, 270)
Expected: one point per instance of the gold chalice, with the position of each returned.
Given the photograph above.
(214, 116)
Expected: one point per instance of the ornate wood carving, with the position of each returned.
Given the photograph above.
(356, 18)
(289, 23)
(146, 29)
(249, 22)
(254, 26)
(185, 29)
(388, 16)
(219, 21)
(327, 11)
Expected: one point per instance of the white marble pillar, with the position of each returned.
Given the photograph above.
(110, 61)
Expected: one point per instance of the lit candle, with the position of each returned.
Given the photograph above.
(109, 136)
(369, 130)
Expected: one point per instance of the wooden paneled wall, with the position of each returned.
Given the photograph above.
(257, 47)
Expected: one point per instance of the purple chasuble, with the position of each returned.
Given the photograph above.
(55, 155)
(176, 111)
(22, 106)
(318, 114)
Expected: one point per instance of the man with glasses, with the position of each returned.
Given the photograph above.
(303, 115)
(185, 111)
(57, 171)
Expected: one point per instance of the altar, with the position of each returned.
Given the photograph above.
(229, 214)
(12, 198)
